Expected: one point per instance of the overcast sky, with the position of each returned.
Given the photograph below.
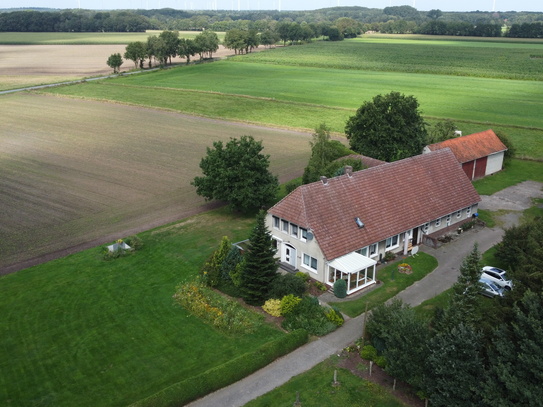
(444, 5)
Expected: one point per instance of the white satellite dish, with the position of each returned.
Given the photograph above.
(414, 250)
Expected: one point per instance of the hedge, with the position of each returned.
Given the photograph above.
(223, 375)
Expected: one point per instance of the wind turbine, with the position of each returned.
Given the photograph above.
(494, 5)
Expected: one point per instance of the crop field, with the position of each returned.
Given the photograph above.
(506, 60)
(54, 38)
(77, 171)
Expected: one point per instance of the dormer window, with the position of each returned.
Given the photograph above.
(359, 223)
(294, 230)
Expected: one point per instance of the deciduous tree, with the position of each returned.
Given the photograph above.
(238, 174)
(115, 61)
(136, 52)
(388, 128)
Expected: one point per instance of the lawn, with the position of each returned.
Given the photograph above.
(515, 172)
(316, 390)
(81, 331)
(392, 283)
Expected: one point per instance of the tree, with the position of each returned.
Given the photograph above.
(441, 131)
(171, 43)
(434, 14)
(388, 128)
(504, 138)
(454, 367)
(212, 268)
(516, 363)
(268, 38)
(136, 52)
(236, 39)
(115, 61)
(237, 173)
(260, 266)
(186, 48)
(207, 42)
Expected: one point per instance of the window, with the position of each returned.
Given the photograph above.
(363, 252)
(426, 227)
(458, 214)
(303, 234)
(276, 222)
(468, 212)
(373, 250)
(438, 222)
(392, 242)
(284, 227)
(294, 230)
(449, 220)
(310, 262)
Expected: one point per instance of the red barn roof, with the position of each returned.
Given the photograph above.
(473, 146)
(389, 199)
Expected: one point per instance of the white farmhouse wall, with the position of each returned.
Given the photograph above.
(494, 163)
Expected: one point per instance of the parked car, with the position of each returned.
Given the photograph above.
(498, 276)
(490, 288)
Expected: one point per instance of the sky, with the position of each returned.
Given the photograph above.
(444, 5)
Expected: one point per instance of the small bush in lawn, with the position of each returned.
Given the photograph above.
(334, 317)
(368, 352)
(289, 303)
(273, 307)
(285, 284)
(134, 242)
(340, 288)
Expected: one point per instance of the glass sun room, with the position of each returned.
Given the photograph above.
(357, 270)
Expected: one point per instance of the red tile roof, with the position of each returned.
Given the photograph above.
(368, 162)
(390, 199)
(473, 146)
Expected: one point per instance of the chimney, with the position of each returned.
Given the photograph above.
(349, 171)
(324, 180)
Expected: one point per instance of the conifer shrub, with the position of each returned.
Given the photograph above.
(340, 288)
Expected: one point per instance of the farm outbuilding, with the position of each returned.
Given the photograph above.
(480, 154)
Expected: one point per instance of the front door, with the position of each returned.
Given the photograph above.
(290, 255)
(415, 236)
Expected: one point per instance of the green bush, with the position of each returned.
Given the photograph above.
(303, 276)
(272, 307)
(334, 317)
(340, 288)
(230, 372)
(310, 316)
(368, 352)
(285, 284)
(134, 242)
(292, 185)
(289, 303)
(380, 361)
(321, 286)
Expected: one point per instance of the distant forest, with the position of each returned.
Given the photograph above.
(391, 20)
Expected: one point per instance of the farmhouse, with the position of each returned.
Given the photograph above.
(480, 154)
(340, 227)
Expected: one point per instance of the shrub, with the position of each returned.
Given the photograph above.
(289, 303)
(285, 284)
(468, 225)
(340, 288)
(334, 317)
(309, 315)
(389, 256)
(368, 352)
(303, 276)
(292, 185)
(134, 242)
(381, 361)
(230, 262)
(273, 307)
(225, 314)
(321, 286)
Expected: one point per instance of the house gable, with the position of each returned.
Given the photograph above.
(388, 199)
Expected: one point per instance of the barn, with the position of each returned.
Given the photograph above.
(480, 154)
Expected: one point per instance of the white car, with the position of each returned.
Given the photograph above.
(490, 288)
(497, 276)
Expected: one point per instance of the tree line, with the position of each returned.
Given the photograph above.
(398, 19)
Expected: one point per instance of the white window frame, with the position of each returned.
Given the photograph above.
(426, 228)
(276, 222)
(363, 251)
(284, 225)
(303, 235)
(468, 212)
(374, 254)
(392, 245)
(309, 264)
(459, 214)
(449, 217)
(438, 223)
(294, 230)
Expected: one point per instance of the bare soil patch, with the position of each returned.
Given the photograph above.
(77, 174)
(26, 65)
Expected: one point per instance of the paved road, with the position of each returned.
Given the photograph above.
(309, 355)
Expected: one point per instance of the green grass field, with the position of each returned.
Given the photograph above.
(81, 331)
(28, 38)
